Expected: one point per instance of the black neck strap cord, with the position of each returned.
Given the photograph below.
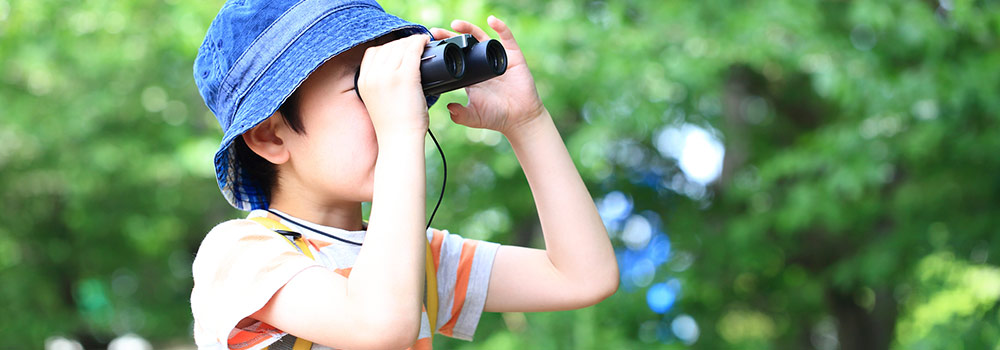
(444, 165)
(310, 228)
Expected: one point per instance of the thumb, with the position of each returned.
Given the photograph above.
(460, 114)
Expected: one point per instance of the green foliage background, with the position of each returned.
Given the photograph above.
(854, 210)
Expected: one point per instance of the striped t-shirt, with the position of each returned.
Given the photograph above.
(241, 264)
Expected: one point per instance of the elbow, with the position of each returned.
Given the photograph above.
(388, 331)
(396, 331)
(599, 287)
(608, 277)
(608, 285)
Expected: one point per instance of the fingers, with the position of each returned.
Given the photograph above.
(411, 48)
(402, 56)
(506, 36)
(460, 114)
(405, 52)
(439, 33)
(397, 53)
(390, 76)
(466, 27)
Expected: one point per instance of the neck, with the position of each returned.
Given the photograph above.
(342, 215)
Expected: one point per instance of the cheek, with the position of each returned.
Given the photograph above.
(365, 157)
(363, 144)
(352, 133)
(369, 143)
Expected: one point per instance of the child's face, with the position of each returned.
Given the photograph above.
(334, 160)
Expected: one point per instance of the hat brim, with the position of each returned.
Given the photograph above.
(328, 37)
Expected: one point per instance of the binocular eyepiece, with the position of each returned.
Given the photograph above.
(456, 62)
(460, 61)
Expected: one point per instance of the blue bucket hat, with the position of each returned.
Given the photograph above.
(257, 52)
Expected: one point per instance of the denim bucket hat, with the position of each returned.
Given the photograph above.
(257, 52)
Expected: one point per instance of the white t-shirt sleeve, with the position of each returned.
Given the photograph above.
(239, 266)
(463, 276)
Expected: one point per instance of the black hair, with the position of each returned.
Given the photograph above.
(259, 170)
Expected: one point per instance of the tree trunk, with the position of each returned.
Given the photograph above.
(860, 329)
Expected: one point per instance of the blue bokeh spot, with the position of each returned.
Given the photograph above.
(661, 297)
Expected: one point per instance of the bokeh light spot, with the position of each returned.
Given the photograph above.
(658, 249)
(698, 152)
(637, 232)
(863, 38)
(685, 328)
(642, 273)
(661, 297)
(614, 208)
(701, 159)
(154, 99)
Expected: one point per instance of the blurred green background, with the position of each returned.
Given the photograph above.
(774, 174)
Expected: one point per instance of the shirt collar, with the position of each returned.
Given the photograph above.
(314, 231)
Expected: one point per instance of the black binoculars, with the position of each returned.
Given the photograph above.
(457, 62)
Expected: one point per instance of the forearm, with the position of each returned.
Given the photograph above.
(576, 241)
(378, 306)
(388, 272)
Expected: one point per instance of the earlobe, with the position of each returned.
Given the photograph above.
(265, 141)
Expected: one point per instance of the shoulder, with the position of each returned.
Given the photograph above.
(240, 254)
(230, 232)
(233, 230)
(239, 266)
(234, 238)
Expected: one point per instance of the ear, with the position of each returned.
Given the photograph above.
(265, 140)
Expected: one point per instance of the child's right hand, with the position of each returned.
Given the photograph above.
(389, 84)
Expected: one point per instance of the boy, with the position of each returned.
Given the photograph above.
(302, 149)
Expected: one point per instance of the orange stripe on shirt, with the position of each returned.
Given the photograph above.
(241, 336)
(344, 272)
(259, 338)
(461, 285)
(422, 344)
(318, 244)
(436, 240)
(251, 336)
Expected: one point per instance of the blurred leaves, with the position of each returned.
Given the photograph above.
(856, 205)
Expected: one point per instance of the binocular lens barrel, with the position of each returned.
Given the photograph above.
(457, 62)
(453, 58)
(475, 61)
(497, 57)
(441, 64)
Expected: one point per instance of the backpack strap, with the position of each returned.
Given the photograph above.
(430, 276)
(431, 289)
(298, 242)
(290, 342)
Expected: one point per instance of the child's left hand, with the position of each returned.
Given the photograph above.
(504, 103)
